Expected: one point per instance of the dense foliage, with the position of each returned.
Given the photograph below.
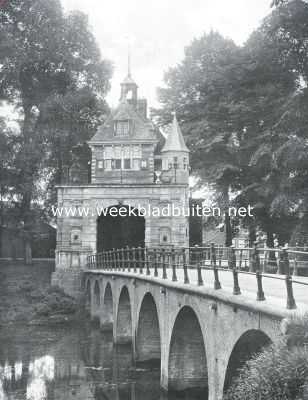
(244, 111)
(276, 374)
(279, 372)
(52, 73)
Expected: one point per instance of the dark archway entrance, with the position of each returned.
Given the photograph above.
(124, 229)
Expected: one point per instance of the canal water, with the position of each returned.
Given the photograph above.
(80, 362)
(56, 363)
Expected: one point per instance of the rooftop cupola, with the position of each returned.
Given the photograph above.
(129, 88)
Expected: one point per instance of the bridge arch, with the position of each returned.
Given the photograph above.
(123, 332)
(148, 337)
(88, 294)
(187, 366)
(107, 309)
(249, 344)
(96, 295)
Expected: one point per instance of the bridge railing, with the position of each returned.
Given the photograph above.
(177, 263)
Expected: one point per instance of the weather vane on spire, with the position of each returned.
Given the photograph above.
(129, 41)
(128, 62)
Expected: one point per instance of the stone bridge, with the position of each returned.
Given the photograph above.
(201, 331)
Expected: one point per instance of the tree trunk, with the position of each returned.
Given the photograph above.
(227, 219)
(252, 234)
(270, 243)
(28, 181)
(228, 229)
(28, 252)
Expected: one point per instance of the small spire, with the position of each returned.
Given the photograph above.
(175, 140)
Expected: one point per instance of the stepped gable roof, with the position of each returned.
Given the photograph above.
(175, 140)
(143, 129)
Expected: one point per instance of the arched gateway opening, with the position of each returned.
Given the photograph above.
(248, 345)
(120, 226)
(187, 358)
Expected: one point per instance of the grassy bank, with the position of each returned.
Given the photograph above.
(27, 297)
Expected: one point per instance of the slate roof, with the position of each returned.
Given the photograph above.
(175, 140)
(143, 129)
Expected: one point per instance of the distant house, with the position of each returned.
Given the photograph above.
(216, 234)
(42, 239)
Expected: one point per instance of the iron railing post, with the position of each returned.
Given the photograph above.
(122, 259)
(113, 257)
(217, 284)
(236, 286)
(260, 292)
(173, 259)
(291, 304)
(281, 267)
(135, 259)
(286, 261)
(186, 278)
(232, 265)
(140, 260)
(119, 259)
(295, 269)
(128, 258)
(199, 270)
(155, 262)
(147, 260)
(164, 264)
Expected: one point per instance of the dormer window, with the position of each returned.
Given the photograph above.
(122, 128)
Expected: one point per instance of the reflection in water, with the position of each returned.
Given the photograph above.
(44, 363)
(41, 371)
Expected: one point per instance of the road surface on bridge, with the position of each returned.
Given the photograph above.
(274, 289)
(274, 286)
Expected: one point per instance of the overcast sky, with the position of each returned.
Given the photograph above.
(158, 31)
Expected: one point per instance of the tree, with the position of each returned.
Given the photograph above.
(244, 112)
(279, 153)
(48, 58)
(200, 89)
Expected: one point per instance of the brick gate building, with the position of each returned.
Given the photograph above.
(133, 166)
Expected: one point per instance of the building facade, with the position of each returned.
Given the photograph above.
(133, 167)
